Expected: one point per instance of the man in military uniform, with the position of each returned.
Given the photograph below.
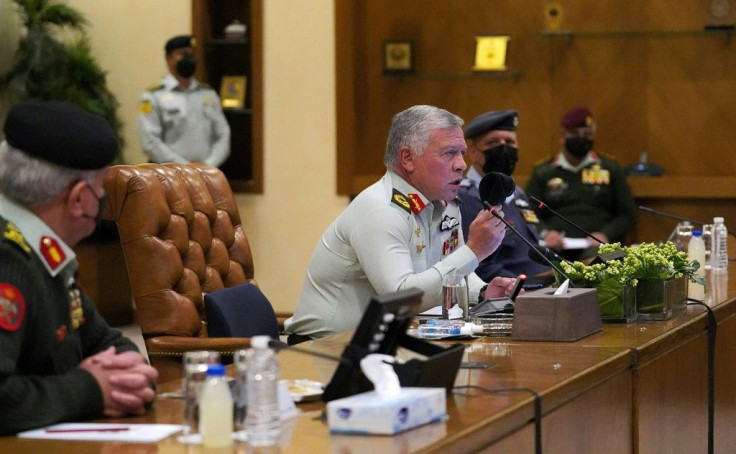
(179, 119)
(59, 360)
(401, 232)
(584, 186)
(493, 147)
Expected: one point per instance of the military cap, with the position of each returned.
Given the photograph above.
(503, 120)
(178, 42)
(577, 117)
(61, 133)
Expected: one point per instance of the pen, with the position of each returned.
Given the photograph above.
(108, 429)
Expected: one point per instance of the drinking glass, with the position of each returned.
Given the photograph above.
(454, 292)
(195, 374)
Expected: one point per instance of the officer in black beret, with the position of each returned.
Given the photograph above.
(59, 360)
(493, 147)
(180, 119)
(585, 186)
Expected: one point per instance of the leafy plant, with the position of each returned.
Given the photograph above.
(54, 61)
(645, 261)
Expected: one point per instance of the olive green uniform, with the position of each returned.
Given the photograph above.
(47, 327)
(595, 196)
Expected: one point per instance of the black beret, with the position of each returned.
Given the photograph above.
(61, 133)
(577, 117)
(178, 42)
(504, 120)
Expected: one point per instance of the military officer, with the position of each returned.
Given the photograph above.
(59, 360)
(180, 119)
(401, 232)
(493, 147)
(585, 186)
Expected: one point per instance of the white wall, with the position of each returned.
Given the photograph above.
(284, 223)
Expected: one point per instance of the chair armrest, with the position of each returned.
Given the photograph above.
(178, 345)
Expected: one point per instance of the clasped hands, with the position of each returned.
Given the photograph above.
(126, 381)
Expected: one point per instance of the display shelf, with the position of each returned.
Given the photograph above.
(725, 33)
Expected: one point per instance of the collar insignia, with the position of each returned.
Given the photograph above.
(417, 205)
(52, 252)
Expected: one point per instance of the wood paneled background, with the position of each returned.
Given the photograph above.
(668, 89)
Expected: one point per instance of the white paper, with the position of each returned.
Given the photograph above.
(575, 243)
(454, 312)
(135, 433)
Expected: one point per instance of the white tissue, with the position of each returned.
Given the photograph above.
(563, 288)
(379, 370)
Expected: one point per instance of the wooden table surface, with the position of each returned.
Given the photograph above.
(588, 390)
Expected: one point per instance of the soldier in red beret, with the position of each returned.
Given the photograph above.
(585, 186)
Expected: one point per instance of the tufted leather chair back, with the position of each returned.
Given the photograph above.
(182, 236)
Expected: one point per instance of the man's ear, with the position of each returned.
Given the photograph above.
(74, 199)
(406, 159)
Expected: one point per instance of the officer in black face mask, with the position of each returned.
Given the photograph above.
(492, 147)
(586, 187)
(180, 119)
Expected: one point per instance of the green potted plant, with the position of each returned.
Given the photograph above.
(649, 282)
(54, 61)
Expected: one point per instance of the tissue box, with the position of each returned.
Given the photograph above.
(367, 413)
(543, 316)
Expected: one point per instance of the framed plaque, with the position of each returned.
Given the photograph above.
(232, 92)
(397, 56)
(490, 53)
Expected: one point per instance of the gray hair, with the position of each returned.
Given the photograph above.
(31, 181)
(411, 128)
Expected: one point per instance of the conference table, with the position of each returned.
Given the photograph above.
(640, 387)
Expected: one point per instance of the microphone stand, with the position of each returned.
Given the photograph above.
(577, 227)
(528, 243)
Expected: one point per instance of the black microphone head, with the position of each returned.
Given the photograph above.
(495, 187)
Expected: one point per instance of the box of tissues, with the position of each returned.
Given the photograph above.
(368, 413)
(545, 315)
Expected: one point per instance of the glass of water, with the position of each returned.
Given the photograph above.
(195, 373)
(454, 293)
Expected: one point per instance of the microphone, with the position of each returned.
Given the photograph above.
(532, 247)
(678, 218)
(546, 255)
(495, 187)
(543, 205)
(277, 345)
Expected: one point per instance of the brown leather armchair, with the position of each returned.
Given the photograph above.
(182, 237)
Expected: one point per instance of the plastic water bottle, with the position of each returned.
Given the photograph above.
(696, 251)
(216, 409)
(719, 255)
(262, 424)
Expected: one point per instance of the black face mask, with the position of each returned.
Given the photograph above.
(186, 66)
(501, 158)
(101, 201)
(578, 146)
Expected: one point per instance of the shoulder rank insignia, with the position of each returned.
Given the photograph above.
(155, 87)
(12, 307)
(145, 107)
(51, 251)
(400, 199)
(13, 234)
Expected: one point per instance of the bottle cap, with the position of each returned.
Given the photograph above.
(718, 219)
(215, 370)
(697, 232)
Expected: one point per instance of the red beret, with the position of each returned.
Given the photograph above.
(577, 117)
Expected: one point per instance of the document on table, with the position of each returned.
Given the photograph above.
(131, 433)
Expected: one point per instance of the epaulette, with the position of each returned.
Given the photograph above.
(400, 200)
(12, 235)
(155, 87)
